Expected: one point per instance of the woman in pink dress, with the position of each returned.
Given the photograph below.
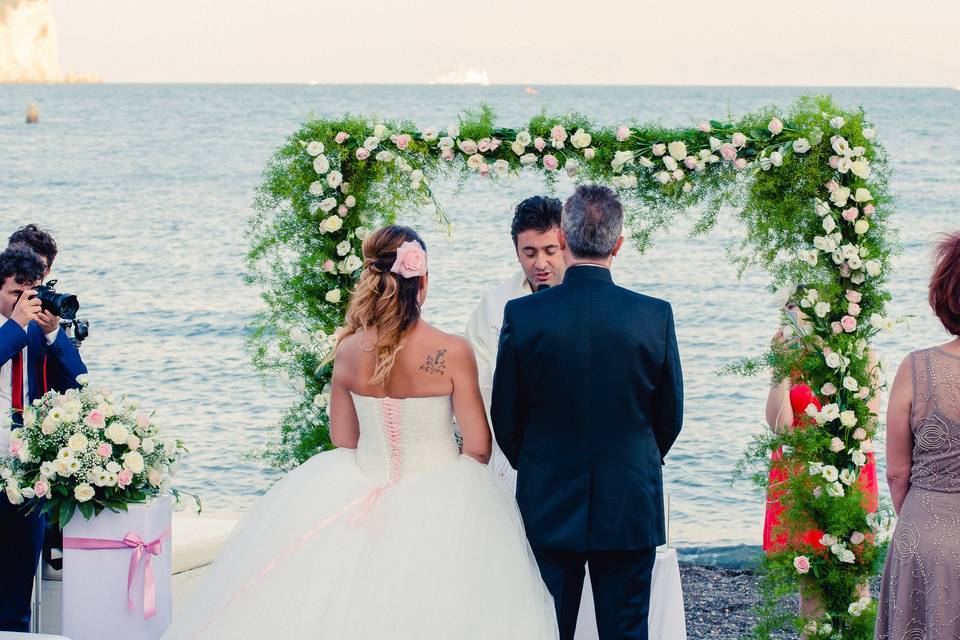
(787, 403)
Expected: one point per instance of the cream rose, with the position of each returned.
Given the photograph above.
(333, 296)
(134, 461)
(83, 492)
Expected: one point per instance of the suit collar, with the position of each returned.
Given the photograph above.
(587, 273)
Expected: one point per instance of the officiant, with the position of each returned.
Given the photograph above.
(536, 239)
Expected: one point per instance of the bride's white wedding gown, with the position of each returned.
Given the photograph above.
(402, 538)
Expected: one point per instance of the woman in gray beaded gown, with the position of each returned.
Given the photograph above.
(920, 592)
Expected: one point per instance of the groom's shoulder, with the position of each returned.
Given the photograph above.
(642, 300)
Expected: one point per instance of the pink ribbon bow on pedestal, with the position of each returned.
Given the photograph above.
(140, 550)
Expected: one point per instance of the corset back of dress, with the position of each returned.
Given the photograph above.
(935, 421)
(399, 438)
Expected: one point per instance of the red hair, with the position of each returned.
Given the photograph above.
(945, 284)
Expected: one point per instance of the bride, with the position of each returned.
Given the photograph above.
(398, 533)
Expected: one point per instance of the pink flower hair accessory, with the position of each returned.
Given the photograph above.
(411, 260)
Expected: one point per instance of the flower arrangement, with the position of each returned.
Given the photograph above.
(810, 185)
(87, 450)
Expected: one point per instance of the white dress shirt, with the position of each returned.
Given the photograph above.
(483, 332)
(6, 391)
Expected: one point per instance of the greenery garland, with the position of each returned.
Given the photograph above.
(811, 188)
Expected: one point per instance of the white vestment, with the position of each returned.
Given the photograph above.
(483, 332)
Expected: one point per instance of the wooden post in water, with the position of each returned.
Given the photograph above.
(33, 113)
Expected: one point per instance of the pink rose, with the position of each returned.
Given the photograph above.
(342, 210)
(850, 214)
(104, 450)
(483, 145)
(857, 538)
(740, 163)
(329, 266)
(540, 144)
(411, 260)
(845, 270)
(868, 210)
(469, 147)
(558, 133)
(143, 419)
(836, 327)
(739, 140)
(659, 149)
(849, 323)
(801, 564)
(41, 488)
(677, 174)
(550, 162)
(834, 162)
(96, 419)
(362, 153)
(447, 154)
(623, 133)
(832, 186)
(494, 144)
(775, 127)
(341, 137)
(704, 126)
(125, 477)
(853, 296)
(853, 309)
(728, 152)
(690, 162)
(402, 141)
(589, 153)
(14, 448)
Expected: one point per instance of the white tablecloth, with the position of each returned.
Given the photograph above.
(666, 621)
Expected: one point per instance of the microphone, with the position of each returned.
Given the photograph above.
(541, 287)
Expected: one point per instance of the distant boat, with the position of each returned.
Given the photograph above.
(531, 90)
(462, 75)
(312, 83)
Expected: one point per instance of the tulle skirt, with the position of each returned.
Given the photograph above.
(324, 554)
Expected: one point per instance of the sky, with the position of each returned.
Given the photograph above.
(687, 42)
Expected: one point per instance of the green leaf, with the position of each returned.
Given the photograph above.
(86, 509)
(66, 512)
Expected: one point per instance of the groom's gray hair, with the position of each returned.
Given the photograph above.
(592, 221)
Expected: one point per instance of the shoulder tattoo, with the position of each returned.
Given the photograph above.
(435, 364)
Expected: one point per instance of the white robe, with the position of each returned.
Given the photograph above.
(483, 332)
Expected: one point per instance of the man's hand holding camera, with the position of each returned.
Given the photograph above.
(28, 308)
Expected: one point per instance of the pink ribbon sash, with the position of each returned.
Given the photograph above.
(140, 550)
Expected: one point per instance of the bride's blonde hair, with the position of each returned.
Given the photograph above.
(384, 300)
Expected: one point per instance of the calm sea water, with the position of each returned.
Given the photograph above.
(147, 189)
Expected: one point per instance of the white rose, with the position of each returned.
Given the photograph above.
(821, 309)
(872, 267)
(860, 168)
(859, 457)
(847, 477)
(350, 201)
(833, 360)
(866, 447)
(861, 226)
(646, 162)
(453, 130)
(47, 470)
(133, 461)
(518, 148)
(117, 433)
(380, 130)
(829, 224)
(334, 178)
(854, 263)
(133, 443)
(83, 492)
(776, 159)
(801, 145)
(154, 477)
(837, 122)
(352, 263)
(316, 188)
(850, 384)
(328, 204)
(445, 143)
(581, 139)
(869, 134)
(663, 177)
(524, 138)
(343, 248)
(862, 195)
(14, 495)
(840, 195)
(828, 389)
(371, 143)
(848, 418)
(828, 540)
(835, 489)
(429, 134)
(47, 427)
(332, 224)
(362, 233)
(830, 412)
(77, 442)
(321, 165)
(315, 148)
(830, 473)
(528, 159)
(501, 167)
(571, 166)
(836, 445)
(333, 296)
(670, 163)
(844, 164)
(148, 445)
(113, 466)
(677, 150)
(385, 156)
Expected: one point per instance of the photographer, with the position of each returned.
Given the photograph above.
(28, 354)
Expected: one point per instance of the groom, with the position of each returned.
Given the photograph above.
(587, 401)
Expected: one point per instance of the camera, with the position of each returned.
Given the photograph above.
(64, 305)
(76, 330)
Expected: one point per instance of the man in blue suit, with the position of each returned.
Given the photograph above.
(32, 362)
(587, 401)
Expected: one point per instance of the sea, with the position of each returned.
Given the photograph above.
(147, 189)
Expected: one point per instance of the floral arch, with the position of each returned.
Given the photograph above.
(810, 186)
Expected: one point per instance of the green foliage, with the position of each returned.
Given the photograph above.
(304, 258)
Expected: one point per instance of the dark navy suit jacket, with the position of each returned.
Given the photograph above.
(587, 401)
(50, 366)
